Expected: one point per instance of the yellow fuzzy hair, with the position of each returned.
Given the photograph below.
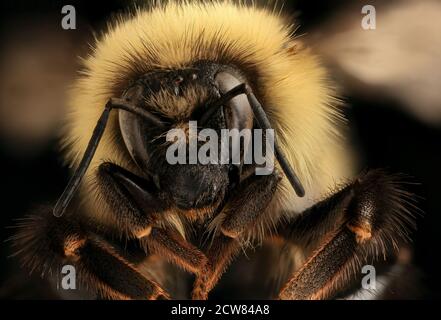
(288, 79)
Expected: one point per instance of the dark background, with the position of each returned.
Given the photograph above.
(384, 134)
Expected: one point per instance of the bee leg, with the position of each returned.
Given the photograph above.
(220, 254)
(241, 215)
(133, 200)
(371, 216)
(46, 243)
(174, 248)
(114, 276)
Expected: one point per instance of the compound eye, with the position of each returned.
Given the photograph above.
(134, 133)
(238, 112)
(238, 115)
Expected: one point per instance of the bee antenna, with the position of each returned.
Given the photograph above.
(74, 182)
(264, 123)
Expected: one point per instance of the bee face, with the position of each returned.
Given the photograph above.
(180, 66)
(178, 98)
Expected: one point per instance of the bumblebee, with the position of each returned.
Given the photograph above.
(128, 216)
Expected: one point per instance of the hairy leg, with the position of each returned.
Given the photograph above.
(245, 206)
(248, 202)
(371, 216)
(45, 243)
(133, 200)
(104, 266)
(175, 249)
(136, 206)
(221, 252)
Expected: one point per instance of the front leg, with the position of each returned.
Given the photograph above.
(248, 202)
(244, 208)
(133, 200)
(221, 252)
(174, 248)
(45, 243)
(137, 207)
(364, 221)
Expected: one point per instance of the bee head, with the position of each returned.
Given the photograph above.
(185, 104)
(190, 101)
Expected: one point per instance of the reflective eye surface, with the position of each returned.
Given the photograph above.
(238, 112)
